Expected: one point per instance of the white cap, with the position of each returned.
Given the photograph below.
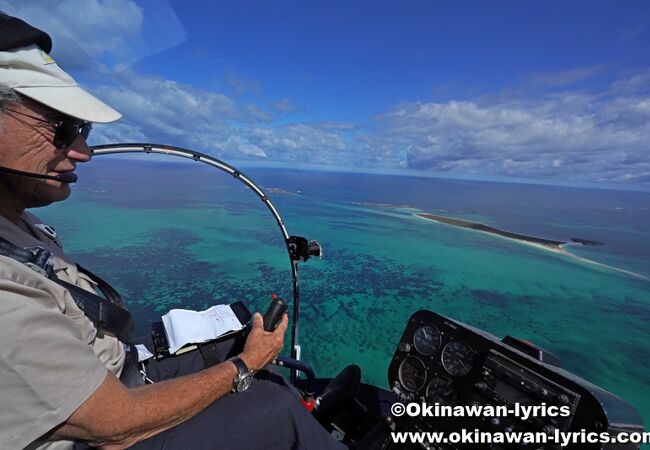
(33, 73)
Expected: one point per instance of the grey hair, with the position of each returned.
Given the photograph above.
(7, 96)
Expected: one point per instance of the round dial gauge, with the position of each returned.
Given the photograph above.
(457, 358)
(440, 390)
(412, 373)
(426, 340)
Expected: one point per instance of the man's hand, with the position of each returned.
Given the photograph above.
(157, 407)
(263, 346)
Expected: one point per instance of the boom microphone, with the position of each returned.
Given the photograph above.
(67, 177)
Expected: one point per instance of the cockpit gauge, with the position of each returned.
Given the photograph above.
(426, 340)
(457, 358)
(441, 390)
(412, 373)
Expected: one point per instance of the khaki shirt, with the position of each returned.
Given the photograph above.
(52, 358)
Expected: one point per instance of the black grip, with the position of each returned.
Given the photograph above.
(273, 315)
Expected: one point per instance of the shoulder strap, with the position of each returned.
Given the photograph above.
(109, 291)
(110, 316)
(36, 258)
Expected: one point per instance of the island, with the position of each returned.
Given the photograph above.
(547, 243)
(275, 190)
(586, 242)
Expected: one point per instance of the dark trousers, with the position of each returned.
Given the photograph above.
(268, 415)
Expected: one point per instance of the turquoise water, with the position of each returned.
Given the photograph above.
(170, 235)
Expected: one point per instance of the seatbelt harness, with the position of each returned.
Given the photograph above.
(107, 312)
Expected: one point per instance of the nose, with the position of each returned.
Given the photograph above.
(79, 150)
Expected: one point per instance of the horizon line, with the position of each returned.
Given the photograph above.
(406, 172)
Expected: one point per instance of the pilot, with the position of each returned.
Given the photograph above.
(60, 372)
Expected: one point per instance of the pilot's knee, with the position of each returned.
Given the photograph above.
(282, 399)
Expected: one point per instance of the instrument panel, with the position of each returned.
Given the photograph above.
(445, 362)
(433, 360)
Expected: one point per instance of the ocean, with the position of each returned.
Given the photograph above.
(170, 234)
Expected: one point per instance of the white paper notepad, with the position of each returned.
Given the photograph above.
(184, 326)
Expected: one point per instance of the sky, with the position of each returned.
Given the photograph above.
(551, 91)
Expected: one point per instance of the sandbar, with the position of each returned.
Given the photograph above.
(546, 244)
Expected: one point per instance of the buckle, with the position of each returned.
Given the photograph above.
(42, 261)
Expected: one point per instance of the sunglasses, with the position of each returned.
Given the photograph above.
(65, 130)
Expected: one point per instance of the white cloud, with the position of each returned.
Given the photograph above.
(116, 132)
(301, 141)
(82, 32)
(567, 135)
(165, 111)
(179, 113)
(242, 146)
(90, 33)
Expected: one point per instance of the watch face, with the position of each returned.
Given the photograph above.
(244, 382)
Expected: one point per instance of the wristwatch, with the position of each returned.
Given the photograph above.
(244, 377)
